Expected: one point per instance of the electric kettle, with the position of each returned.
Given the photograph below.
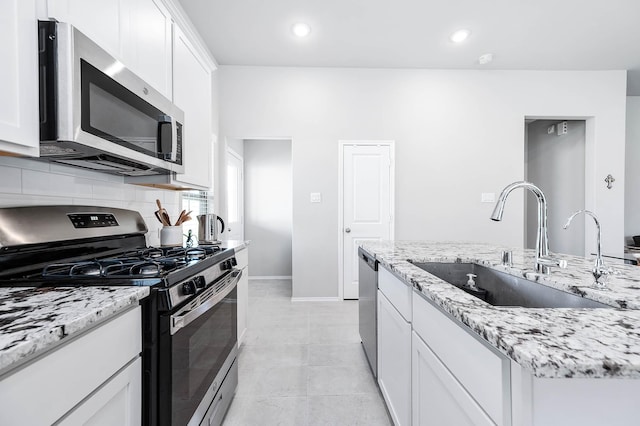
(208, 231)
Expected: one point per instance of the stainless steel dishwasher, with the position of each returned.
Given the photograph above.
(367, 304)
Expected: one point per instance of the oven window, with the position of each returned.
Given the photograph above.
(112, 112)
(198, 352)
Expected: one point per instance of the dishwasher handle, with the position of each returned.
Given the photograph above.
(371, 261)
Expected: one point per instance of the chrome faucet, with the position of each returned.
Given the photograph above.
(543, 260)
(600, 271)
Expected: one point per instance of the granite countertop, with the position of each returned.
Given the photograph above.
(33, 320)
(237, 245)
(554, 342)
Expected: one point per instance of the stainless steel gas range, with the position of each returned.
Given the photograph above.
(190, 370)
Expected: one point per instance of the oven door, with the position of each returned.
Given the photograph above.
(198, 344)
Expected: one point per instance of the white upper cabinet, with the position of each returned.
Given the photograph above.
(192, 94)
(104, 22)
(137, 32)
(19, 78)
(149, 53)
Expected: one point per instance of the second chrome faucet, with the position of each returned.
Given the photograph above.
(600, 271)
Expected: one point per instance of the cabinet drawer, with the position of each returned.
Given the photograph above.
(62, 378)
(397, 291)
(480, 370)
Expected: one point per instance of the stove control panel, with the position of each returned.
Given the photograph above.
(192, 286)
(92, 220)
(228, 264)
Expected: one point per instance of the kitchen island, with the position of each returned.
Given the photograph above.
(552, 365)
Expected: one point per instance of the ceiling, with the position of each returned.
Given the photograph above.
(521, 34)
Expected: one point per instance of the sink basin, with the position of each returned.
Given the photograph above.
(507, 290)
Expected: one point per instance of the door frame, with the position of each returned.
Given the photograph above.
(590, 179)
(232, 153)
(392, 198)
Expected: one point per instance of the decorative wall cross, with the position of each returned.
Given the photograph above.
(609, 181)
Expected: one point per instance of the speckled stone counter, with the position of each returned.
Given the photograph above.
(555, 342)
(237, 245)
(33, 320)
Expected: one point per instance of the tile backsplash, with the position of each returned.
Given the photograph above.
(26, 182)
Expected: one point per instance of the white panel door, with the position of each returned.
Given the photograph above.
(235, 197)
(366, 205)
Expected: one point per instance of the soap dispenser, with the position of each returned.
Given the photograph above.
(472, 288)
(471, 283)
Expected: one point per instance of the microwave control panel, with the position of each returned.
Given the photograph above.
(92, 220)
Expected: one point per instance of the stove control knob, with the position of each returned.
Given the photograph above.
(233, 261)
(200, 283)
(189, 288)
(226, 265)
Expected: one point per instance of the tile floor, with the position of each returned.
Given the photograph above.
(302, 364)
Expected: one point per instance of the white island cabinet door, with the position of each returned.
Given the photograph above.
(394, 361)
(437, 397)
(118, 402)
(19, 78)
(192, 94)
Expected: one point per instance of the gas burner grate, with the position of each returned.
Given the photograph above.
(144, 262)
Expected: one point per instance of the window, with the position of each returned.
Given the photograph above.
(196, 202)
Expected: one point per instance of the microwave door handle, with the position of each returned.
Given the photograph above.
(166, 137)
(174, 139)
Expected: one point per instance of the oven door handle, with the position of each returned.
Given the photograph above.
(187, 315)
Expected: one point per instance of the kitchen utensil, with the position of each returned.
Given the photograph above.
(208, 231)
(166, 217)
(159, 217)
(180, 217)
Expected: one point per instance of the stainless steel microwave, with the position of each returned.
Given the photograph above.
(97, 114)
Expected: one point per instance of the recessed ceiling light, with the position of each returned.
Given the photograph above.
(301, 29)
(460, 36)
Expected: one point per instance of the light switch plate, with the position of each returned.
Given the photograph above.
(488, 197)
(316, 197)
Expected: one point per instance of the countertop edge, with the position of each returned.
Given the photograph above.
(69, 315)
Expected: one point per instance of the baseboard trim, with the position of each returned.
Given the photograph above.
(315, 299)
(269, 277)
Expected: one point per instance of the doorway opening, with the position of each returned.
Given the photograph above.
(555, 152)
(264, 204)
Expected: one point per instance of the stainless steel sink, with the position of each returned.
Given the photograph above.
(507, 290)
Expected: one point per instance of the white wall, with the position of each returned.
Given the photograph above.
(632, 159)
(556, 165)
(29, 182)
(457, 133)
(268, 206)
